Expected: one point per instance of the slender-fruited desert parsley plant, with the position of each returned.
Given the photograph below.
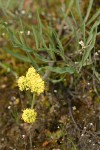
(33, 82)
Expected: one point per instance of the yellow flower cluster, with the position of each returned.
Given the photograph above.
(22, 83)
(31, 81)
(29, 115)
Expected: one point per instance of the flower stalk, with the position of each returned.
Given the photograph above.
(33, 101)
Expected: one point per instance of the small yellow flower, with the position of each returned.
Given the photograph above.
(29, 115)
(32, 82)
(36, 84)
(31, 72)
(22, 83)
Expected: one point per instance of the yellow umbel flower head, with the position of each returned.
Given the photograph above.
(38, 85)
(32, 82)
(29, 115)
(35, 83)
(22, 83)
(31, 72)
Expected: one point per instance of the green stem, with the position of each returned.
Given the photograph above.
(33, 101)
